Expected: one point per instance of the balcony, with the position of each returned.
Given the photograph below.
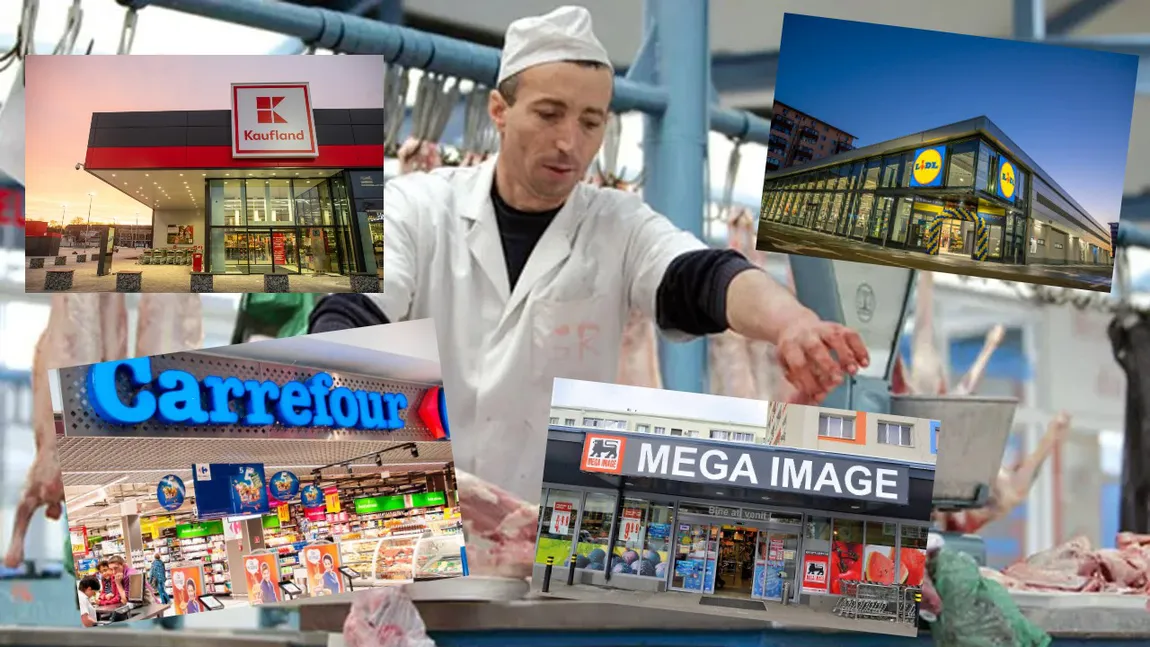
(783, 128)
(773, 165)
(807, 131)
(842, 147)
(777, 142)
(804, 155)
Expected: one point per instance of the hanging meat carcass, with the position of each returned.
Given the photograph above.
(87, 329)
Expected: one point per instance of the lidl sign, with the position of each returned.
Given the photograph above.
(1007, 179)
(178, 398)
(927, 168)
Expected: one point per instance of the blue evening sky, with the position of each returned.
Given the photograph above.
(1068, 108)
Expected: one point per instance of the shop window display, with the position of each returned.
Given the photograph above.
(643, 540)
(557, 525)
(879, 558)
(847, 548)
(816, 554)
(912, 554)
(595, 531)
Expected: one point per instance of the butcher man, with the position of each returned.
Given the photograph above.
(530, 273)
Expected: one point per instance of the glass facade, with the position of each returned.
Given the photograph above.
(873, 200)
(277, 226)
(750, 550)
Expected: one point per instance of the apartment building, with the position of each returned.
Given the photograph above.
(857, 433)
(798, 138)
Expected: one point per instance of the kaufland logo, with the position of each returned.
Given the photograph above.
(272, 120)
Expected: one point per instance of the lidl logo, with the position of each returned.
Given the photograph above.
(927, 169)
(1007, 179)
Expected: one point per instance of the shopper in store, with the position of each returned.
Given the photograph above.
(531, 273)
(111, 592)
(157, 578)
(120, 574)
(89, 586)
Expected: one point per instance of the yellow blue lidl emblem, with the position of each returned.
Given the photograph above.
(1007, 179)
(927, 169)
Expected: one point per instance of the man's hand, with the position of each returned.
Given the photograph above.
(805, 352)
(814, 354)
(45, 487)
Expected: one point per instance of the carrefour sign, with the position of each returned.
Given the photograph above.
(926, 170)
(179, 398)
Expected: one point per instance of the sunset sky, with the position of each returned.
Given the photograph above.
(64, 91)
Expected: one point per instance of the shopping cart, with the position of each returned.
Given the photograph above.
(908, 602)
(868, 600)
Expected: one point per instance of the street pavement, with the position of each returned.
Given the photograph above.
(786, 239)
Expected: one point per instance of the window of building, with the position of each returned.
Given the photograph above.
(692, 433)
(881, 533)
(595, 531)
(558, 515)
(641, 428)
(907, 163)
(836, 427)
(676, 432)
(554, 420)
(890, 170)
(848, 531)
(570, 422)
(660, 431)
(890, 433)
(592, 422)
(871, 177)
(732, 436)
(961, 164)
(644, 538)
(982, 173)
(621, 425)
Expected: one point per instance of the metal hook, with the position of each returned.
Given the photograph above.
(67, 41)
(128, 32)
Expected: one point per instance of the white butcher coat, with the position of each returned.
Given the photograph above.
(604, 253)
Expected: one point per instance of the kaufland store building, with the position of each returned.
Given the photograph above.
(271, 185)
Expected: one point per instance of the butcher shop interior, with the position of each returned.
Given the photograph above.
(1060, 521)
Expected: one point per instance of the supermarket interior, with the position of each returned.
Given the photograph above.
(387, 516)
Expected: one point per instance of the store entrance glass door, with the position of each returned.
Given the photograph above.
(776, 564)
(695, 555)
(285, 253)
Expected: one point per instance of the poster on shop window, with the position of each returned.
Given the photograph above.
(279, 258)
(262, 573)
(629, 525)
(187, 587)
(815, 572)
(846, 562)
(561, 518)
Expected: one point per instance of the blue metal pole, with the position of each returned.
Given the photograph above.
(431, 52)
(683, 54)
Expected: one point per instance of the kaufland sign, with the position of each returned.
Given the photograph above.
(272, 120)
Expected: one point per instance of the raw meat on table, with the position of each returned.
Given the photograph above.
(1077, 567)
(498, 527)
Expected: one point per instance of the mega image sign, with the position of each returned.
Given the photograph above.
(746, 467)
(127, 392)
(272, 120)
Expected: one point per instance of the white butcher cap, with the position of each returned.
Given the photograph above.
(562, 35)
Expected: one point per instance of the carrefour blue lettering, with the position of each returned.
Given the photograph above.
(177, 397)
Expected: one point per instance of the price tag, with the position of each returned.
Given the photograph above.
(331, 501)
(630, 524)
(561, 518)
(284, 513)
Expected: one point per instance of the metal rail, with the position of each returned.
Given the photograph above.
(416, 49)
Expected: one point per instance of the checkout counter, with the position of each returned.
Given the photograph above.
(135, 609)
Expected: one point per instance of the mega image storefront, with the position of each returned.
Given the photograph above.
(271, 185)
(760, 522)
(965, 189)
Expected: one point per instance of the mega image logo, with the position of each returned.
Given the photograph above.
(272, 120)
(603, 454)
(1007, 179)
(927, 168)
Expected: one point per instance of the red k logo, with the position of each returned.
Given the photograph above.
(265, 110)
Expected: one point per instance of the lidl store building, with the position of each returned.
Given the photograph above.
(665, 514)
(272, 185)
(965, 189)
